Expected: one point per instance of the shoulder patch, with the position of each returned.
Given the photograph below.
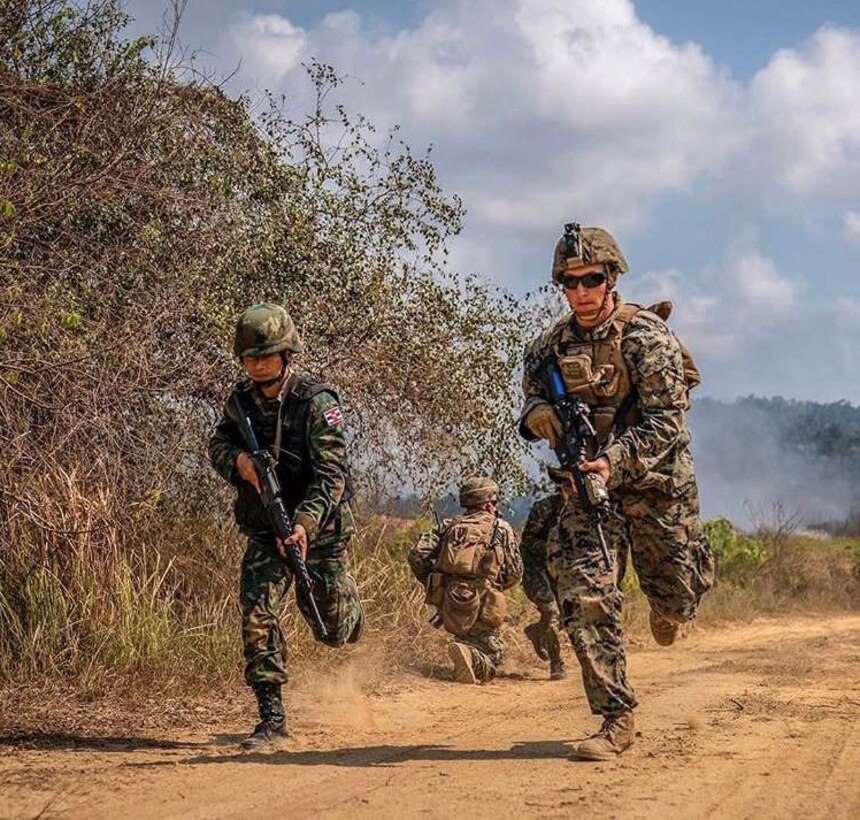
(333, 416)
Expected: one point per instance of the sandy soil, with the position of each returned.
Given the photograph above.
(755, 721)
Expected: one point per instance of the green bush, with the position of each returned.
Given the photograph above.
(737, 554)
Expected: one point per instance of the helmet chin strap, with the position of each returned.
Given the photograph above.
(282, 374)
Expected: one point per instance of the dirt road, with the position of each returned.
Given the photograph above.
(756, 721)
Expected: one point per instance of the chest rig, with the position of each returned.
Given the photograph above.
(596, 372)
(283, 428)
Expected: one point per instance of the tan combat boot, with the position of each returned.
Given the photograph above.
(614, 737)
(663, 630)
(464, 672)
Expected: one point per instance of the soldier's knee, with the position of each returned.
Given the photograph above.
(591, 609)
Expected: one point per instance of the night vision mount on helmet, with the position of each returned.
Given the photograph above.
(586, 246)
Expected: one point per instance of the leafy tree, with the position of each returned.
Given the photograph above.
(143, 208)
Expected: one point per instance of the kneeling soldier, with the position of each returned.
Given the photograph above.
(465, 564)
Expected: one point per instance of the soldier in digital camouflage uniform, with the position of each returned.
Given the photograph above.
(300, 421)
(628, 367)
(539, 587)
(464, 565)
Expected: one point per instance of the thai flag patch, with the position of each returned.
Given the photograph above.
(333, 416)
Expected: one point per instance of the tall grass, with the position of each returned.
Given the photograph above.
(96, 607)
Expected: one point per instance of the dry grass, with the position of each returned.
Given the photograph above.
(162, 616)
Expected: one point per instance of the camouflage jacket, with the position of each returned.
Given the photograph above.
(422, 557)
(653, 452)
(312, 462)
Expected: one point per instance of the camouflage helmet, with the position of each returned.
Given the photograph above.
(477, 491)
(586, 246)
(263, 329)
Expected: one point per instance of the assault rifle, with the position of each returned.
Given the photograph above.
(270, 494)
(579, 437)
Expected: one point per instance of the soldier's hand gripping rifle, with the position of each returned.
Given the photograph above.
(579, 436)
(270, 493)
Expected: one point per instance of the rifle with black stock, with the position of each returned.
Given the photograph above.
(578, 438)
(279, 517)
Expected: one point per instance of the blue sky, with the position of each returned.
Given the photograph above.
(720, 142)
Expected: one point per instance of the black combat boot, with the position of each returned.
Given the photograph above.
(272, 728)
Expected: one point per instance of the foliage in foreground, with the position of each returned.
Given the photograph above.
(168, 620)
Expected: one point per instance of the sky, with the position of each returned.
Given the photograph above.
(719, 143)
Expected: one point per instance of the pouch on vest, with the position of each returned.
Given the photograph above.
(494, 609)
(576, 371)
(460, 607)
(435, 589)
(463, 549)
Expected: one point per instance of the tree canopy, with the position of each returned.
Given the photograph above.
(142, 208)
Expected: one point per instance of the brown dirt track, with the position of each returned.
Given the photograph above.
(753, 721)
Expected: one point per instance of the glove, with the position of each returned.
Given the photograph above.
(545, 423)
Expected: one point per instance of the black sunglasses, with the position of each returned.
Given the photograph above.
(589, 281)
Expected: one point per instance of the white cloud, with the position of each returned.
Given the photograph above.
(847, 308)
(545, 109)
(697, 317)
(270, 45)
(805, 112)
(762, 291)
(749, 301)
(540, 109)
(851, 225)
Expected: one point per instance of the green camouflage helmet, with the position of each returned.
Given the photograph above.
(474, 492)
(593, 245)
(264, 329)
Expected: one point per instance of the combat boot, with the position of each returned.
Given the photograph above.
(615, 735)
(535, 633)
(663, 630)
(557, 669)
(358, 629)
(272, 728)
(464, 671)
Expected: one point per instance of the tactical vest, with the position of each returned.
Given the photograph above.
(293, 459)
(595, 370)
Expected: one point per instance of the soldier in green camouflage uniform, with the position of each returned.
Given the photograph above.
(464, 565)
(539, 587)
(300, 421)
(629, 368)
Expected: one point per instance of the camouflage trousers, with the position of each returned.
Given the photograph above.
(540, 590)
(265, 581)
(487, 649)
(538, 586)
(672, 560)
